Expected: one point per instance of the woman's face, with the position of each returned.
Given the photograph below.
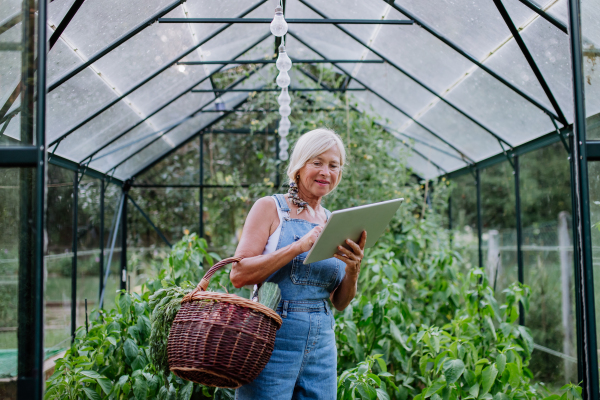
(319, 175)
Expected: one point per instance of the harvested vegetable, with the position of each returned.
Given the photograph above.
(269, 295)
(165, 303)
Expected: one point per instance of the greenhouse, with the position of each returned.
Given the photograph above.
(135, 137)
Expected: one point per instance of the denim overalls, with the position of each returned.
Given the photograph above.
(304, 361)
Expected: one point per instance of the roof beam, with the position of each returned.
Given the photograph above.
(529, 4)
(189, 116)
(150, 77)
(294, 61)
(140, 27)
(275, 90)
(65, 22)
(469, 57)
(172, 100)
(466, 158)
(413, 78)
(11, 21)
(538, 74)
(288, 20)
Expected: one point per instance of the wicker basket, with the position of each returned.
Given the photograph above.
(220, 339)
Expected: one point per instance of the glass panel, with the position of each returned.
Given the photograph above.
(181, 168)
(477, 143)
(167, 142)
(95, 26)
(88, 246)
(549, 47)
(112, 264)
(225, 211)
(231, 159)
(594, 184)
(9, 269)
(10, 66)
(590, 14)
(499, 233)
(463, 211)
(545, 187)
(174, 211)
(477, 32)
(59, 257)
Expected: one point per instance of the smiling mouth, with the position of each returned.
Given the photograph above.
(322, 182)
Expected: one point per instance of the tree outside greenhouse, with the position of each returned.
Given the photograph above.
(479, 287)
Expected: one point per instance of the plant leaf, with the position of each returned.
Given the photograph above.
(185, 392)
(92, 395)
(453, 369)
(488, 378)
(131, 350)
(140, 388)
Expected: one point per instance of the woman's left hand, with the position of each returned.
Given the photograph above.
(354, 256)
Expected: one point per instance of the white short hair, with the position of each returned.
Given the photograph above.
(310, 145)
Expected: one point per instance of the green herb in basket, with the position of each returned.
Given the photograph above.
(269, 295)
(164, 304)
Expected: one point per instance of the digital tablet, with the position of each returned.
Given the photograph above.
(349, 224)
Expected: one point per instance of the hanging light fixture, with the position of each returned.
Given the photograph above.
(283, 79)
(278, 26)
(285, 124)
(283, 145)
(284, 97)
(283, 155)
(285, 110)
(284, 63)
(283, 132)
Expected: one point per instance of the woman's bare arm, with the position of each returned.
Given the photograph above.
(255, 267)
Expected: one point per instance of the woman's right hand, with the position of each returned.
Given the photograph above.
(307, 241)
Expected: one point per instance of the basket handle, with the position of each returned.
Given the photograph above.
(203, 285)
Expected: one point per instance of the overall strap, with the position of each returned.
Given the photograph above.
(283, 206)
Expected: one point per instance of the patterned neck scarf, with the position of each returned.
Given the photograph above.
(297, 201)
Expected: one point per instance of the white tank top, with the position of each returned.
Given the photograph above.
(274, 238)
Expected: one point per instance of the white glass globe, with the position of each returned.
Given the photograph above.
(283, 132)
(284, 97)
(283, 155)
(284, 124)
(278, 26)
(283, 60)
(285, 110)
(284, 145)
(283, 79)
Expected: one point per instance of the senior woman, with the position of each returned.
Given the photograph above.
(278, 233)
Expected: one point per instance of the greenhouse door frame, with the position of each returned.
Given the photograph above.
(30, 156)
(584, 283)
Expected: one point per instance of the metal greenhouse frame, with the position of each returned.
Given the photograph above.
(142, 136)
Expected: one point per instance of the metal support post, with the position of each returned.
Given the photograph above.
(201, 189)
(584, 282)
(450, 220)
(520, 272)
(479, 222)
(101, 263)
(30, 333)
(124, 237)
(74, 259)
